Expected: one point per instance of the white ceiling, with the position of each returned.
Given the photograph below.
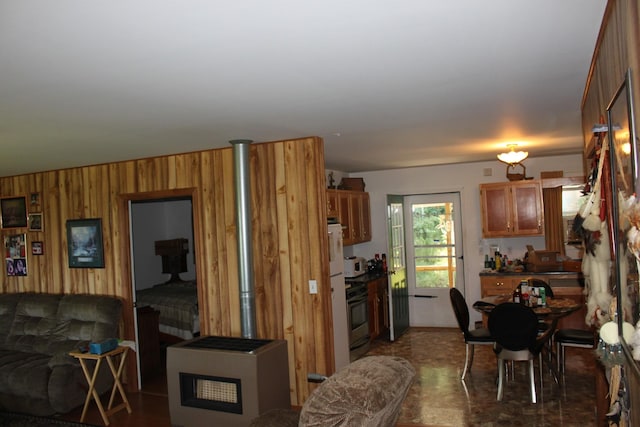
(385, 84)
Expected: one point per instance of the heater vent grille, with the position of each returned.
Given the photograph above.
(217, 390)
(211, 392)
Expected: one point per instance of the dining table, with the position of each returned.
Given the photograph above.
(554, 309)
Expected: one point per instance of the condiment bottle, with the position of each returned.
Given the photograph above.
(542, 299)
(525, 299)
(516, 296)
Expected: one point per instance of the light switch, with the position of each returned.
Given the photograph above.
(313, 287)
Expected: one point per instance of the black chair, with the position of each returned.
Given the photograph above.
(515, 330)
(543, 326)
(572, 338)
(471, 337)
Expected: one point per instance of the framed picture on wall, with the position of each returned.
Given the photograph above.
(15, 255)
(14, 212)
(34, 202)
(37, 248)
(36, 222)
(84, 241)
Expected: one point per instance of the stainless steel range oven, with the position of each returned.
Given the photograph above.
(358, 320)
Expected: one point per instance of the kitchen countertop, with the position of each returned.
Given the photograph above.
(528, 273)
(365, 278)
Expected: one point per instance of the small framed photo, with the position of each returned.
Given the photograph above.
(34, 202)
(84, 241)
(37, 248)
(36, 222)
(14, 212)
(15, 255)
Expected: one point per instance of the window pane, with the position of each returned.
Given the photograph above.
(434, 251)
(433, 279)
(434, 240)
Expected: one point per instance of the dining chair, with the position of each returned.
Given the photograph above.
(477, 336)
(571, 338)
(543, 325)
(515, 330)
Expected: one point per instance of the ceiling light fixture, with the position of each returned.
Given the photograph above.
(514, 158)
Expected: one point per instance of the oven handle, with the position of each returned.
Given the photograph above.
(365, 341)
(356, 300)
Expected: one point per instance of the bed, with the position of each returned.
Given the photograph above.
(177, 302)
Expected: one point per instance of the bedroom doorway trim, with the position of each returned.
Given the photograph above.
(130, 319)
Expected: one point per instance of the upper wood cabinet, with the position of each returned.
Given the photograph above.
(512, 209)
(353, 212)
(333, 210)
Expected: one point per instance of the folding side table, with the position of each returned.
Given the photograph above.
(91, 379)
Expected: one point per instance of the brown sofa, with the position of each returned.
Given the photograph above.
(367, 392)
(37, 332)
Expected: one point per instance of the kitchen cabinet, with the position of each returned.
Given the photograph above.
(499, 285)
(353, 212)
(365, 216)
(332, 204)
(378, 308)
(511, 209)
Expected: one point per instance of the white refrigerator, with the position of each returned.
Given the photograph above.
(338, 297)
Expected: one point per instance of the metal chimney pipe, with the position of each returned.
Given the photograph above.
(245, 247)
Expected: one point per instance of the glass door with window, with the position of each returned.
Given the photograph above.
(434, 257)
(398, 291)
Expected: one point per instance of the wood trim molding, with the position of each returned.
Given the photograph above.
(559, 182)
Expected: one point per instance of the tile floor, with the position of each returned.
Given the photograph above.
(440, 398)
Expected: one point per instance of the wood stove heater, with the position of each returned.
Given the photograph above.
(216, 380)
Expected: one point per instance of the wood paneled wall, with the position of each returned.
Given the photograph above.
(617, 49)
(289, 240)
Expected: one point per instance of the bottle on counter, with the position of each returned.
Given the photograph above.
(542, 297)
(525, 299)
(487, 263)
(384, 263)
(516, 296)
(498, 261)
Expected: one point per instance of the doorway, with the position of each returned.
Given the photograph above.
(155, 218)
(434, 256)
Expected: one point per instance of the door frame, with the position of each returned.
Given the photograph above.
(130, 319)
(437, 300)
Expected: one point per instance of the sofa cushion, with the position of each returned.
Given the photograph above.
(24, 374)
(367, 392)
(87, 318)
(35, 319)
(82, 319)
